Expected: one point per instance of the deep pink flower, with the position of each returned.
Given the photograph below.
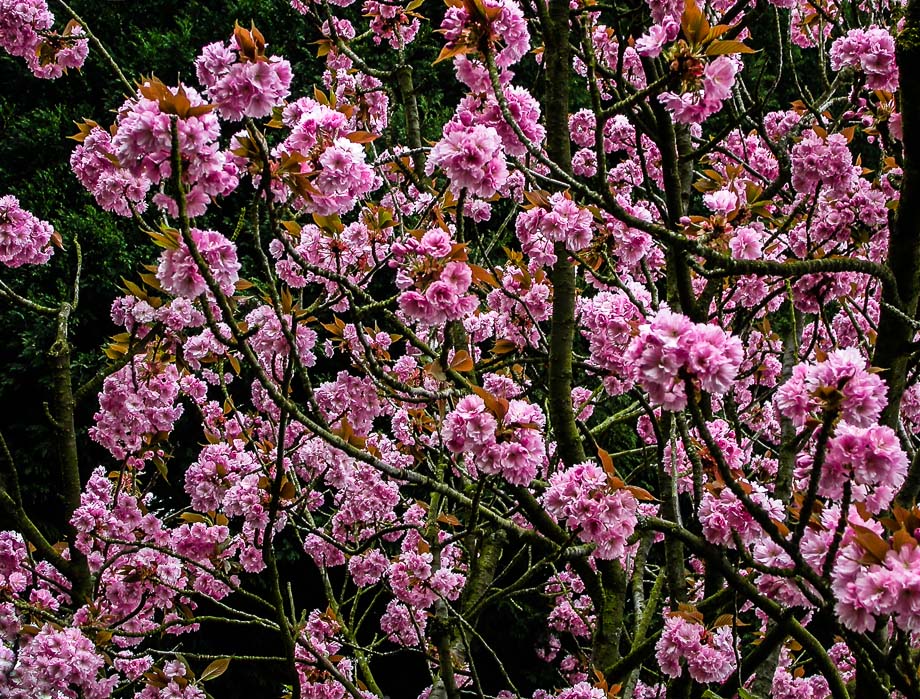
(471, 158)
(24, 239)
(180, 275)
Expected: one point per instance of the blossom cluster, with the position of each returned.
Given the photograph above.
(503, 22)
(416, 582)
(573, 611)
(145, 571)
(42, 659)
(218, 468)
(559, 220)
(143, 144)
(619, 136)
(347, 251)
(502, 438)
(24, 238)
(870, 583)
(179, 274)
(787, 685)
(25, 31)
(481, 108)
(522, 301)
(270, 342)
(240, 79)
(392, 23)
(38, 580)
(870, 50)
(841, 218)
(364, 501)
(322, 634)
(325, 171)
(351, 86)
(115, 188)
(172, 682)
(823, 161)
(653, 41)
(350, 398)
(55, 662)
(840, 382)
(870, 459)
(671, 348)
(724, 517)
(433, 277)
(471, 157)
(136, 402)
(708, 655)
(580, 690)
(584, 499)
(695, 106)
(609, 320)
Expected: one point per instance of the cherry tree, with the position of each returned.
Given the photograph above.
(630, 345)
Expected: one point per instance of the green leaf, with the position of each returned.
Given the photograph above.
(725, 48)
(693, 23)
(215, 669)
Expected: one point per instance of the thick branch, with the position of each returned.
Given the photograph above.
(895, 332)
(558, 147)
(66, 437)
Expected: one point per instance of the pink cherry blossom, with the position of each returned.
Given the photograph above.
(241, 84)
(471, 158)
(871, 51)
(179, 273)
(24, 239)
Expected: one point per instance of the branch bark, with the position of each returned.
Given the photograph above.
(558, 59)
(66, 437)
(895, 331)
